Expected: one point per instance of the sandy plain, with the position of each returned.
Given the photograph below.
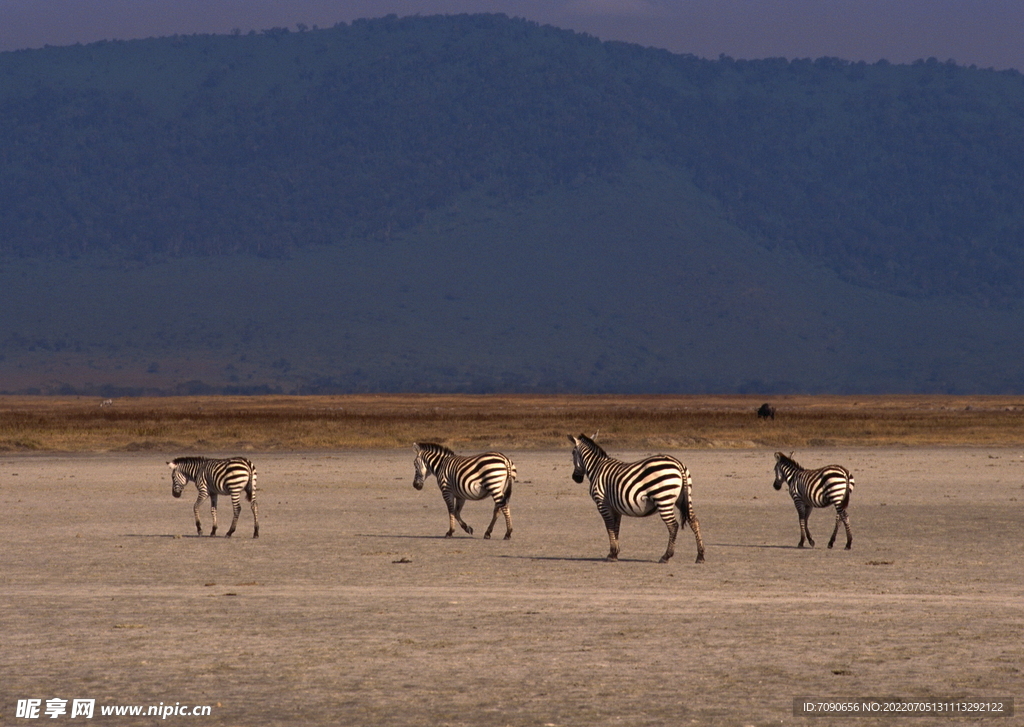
(352, 609)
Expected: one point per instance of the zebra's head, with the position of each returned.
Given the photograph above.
(578, 470)
(420, 465)
(784, 468)
(178, 479)
(429, 457)
(584, 449)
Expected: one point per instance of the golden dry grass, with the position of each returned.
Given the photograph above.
(81, 424)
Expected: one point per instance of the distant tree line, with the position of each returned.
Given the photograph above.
(908, 178)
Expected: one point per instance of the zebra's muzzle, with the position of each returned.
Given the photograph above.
(577, 477)
(418, 484)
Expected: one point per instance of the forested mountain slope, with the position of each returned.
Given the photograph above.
(909, 178)
(476, 203)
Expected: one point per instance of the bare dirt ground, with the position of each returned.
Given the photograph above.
(351, 609)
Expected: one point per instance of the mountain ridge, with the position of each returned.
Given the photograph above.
(475, 203)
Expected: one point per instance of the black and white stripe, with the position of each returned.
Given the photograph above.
(657, 484)
(831, 485)
(215, 477)
(467, 478)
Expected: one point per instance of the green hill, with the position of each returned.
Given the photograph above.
(475, 203)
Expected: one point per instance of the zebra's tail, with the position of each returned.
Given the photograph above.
(684, 503)
(250, 487)
(512, 475)
(849, 491)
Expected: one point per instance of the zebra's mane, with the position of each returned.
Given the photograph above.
(187, 460)
(787, 461)
(593, 445)
(434, 447)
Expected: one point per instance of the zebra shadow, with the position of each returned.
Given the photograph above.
(174, 537)
(390, 536)
(760, 547)
(573, 559)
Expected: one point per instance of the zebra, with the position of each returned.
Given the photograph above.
(467, 478)
(831, 485)
(215, 477)
(637, 489)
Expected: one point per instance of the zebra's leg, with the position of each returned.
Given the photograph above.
(841, 515)
(612, 521)
(688, 516)
(455, 515)
(673, 530)
(695, 527)
(508, 522)
(494, 519)
(213, 513)
(195, 512)
(832, 540)
(236, 507)
(805, 533)
(503, 509)
(449, 502)
(255, 518)
(459, 502)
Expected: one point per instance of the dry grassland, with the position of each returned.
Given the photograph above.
(81, 424)
(353, 608)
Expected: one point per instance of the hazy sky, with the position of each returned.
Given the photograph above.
(987, 33)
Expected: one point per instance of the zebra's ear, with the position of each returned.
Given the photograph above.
(573, 439)
(171, 465)
(415, 446)
(778, 456)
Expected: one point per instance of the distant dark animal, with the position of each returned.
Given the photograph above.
(215, 477)
(467, 478)
(657, 484)
(831, 485)
(766, 411)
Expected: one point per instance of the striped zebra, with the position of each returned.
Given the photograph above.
(215, 477)
(831, 485)
(467, 478)
(637, 489)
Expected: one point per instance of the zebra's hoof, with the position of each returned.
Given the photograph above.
(848, 547)
(700, 558)
(487, 536)
(508, 536)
